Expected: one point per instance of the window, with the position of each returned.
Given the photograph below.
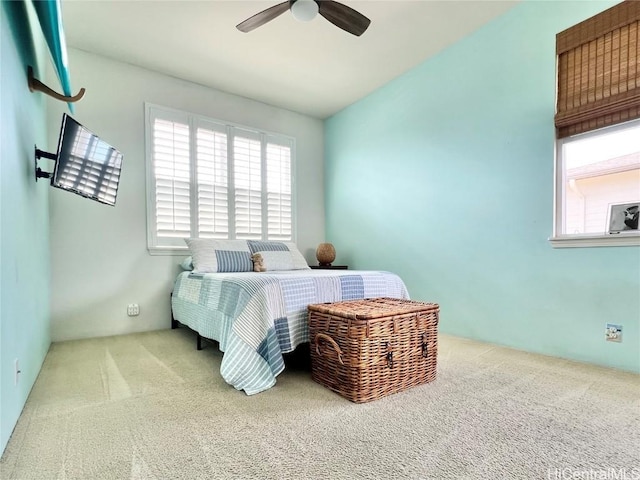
(598, 128)
(211, 179)
(597, 170)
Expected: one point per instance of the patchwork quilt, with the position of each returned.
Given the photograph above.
(257, 317)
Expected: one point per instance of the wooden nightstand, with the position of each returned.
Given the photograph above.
(330, 267)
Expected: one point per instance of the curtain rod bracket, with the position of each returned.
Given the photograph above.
(35, 84)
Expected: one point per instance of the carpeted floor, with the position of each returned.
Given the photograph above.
(149, 406)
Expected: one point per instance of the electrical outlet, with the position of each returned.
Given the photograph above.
(133, 309)
(16, 369)
(613, 333)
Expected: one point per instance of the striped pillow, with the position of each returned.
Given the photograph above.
(210, 256)
(278, 255)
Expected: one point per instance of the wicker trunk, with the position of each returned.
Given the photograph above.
(366, 349)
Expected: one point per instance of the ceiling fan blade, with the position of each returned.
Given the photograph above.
(263, 17)
(343, 17)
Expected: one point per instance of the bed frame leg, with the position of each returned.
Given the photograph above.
(174, 323)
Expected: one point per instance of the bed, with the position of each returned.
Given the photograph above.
(257, 317)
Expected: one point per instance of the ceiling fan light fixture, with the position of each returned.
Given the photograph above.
(340, 15)
(304, 10)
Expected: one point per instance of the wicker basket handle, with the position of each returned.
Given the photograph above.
(333, 343)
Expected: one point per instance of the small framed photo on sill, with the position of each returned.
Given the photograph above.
(623, 217)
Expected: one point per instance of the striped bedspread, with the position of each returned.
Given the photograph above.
(256, 317)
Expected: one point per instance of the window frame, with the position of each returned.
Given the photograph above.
(591, 99)
(194, 121)
(561, 240)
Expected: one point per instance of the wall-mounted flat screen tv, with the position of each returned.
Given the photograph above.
(86, 164)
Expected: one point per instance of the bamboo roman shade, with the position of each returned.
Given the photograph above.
(599, 71)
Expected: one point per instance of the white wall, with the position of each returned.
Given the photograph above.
(100, 261)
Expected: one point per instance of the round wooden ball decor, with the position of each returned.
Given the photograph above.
(325, 253)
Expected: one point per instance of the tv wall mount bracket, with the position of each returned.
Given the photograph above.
(42, 154)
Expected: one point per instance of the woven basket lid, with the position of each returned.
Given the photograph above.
(365, 309)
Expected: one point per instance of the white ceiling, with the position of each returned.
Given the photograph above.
(312, 68)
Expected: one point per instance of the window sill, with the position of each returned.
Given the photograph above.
(593, 240)
(168, 250)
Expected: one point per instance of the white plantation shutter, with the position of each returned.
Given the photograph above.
(171, 167)
(247, 178)
(278, 170)
(211, 179)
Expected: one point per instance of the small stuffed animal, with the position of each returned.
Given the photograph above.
(258, 263)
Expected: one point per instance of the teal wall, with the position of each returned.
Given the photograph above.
(24, 215)
(445, 176)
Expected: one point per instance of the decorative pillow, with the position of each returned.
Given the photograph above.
(277, 256)
(187, 263)
(211, 255)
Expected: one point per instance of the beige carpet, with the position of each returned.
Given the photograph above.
(149, 406)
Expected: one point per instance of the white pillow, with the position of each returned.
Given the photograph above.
(187, 263)
(278, 255)
(211, 255)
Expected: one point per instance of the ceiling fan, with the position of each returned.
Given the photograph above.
(340, 15)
